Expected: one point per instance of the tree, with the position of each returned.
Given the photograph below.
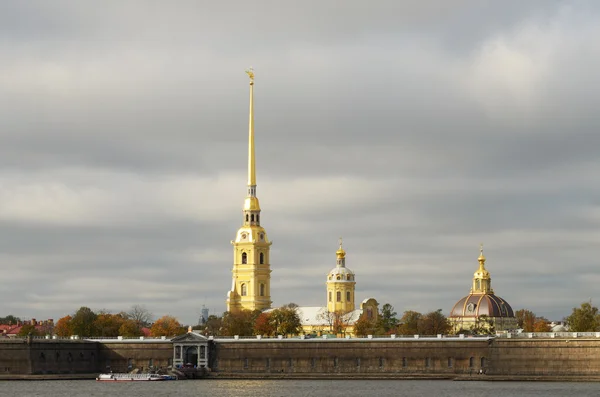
(541, 325)
(140, 315)
(263, 325)
(213, 325)
(285, 321)
(365, 326)
(63, 327)
(166, 326)
(239, 323)
(337, 321)
(107, 324)
(525, 319)
(584, 318)
(9, 320)
(484, 325)
(409, 323)
(433, 323)
(387, 319)
(28, 329)
(130, 328)
(82, 323)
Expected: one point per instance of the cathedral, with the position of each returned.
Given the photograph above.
(251, 273)
(482, 309)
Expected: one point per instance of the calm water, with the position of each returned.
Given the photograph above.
(296, 388)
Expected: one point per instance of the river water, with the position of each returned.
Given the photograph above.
(299, 388)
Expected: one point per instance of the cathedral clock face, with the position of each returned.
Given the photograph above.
(244, 236)
(470, 307)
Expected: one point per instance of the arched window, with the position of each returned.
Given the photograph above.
(471, 362)
(244, 258)
(262, 290)
(339, 296)
(348, 277)
(347, 296)
(252, 217)
(244, 290)
(262, 258)
(482, 362)
(329, 296)
(246, 217)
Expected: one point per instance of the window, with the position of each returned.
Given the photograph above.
(244, 290)
(150, 363)
(262, 290)
(244, 258)
(42, 356)
(252, 218)
(202, 352)
(339, 296)
(129, 364)
(348, 277)
(471, 362)
(381, 362)
(246, 217)
(177, 352)
(404, 362)
(335, 362)
(427, 362)
(262, 258)
(347, 296)
(257, 218)
(482, 362)
(290, 362)
(313, 362)
(245, 363)
(450, 364)
(268, 363)
(329, 296)
(358, 362)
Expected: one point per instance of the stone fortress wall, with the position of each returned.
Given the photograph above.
(542, 357)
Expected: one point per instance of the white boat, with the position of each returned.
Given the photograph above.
(130, 377)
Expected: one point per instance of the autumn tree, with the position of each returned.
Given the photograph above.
(63, 327)
(83, 322)
(365, 326)
(263, 325)
(525, 319)
(285, 320)
(541, 325)
(409, 323)
(107, 324)
(484, 325)
(387, 318)
(584, 319)
(28, 329)
(433, 323)
(239, 323)
(166, 326)
(337, 321)
(130, 328)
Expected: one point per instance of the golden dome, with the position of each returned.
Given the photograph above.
(251, 204)
(341, 254)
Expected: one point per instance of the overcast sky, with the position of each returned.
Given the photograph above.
(416, 130)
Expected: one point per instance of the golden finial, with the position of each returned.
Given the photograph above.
(250, 73)
(340, 252)
(481, 257)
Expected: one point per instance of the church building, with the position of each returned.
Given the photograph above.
(482, 309)
(251, 274)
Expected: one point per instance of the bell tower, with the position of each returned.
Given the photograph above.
(340, 285)
(251, 274)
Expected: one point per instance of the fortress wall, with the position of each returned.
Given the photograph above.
(545, 357)
(117, 356)
(14, 357)
(350, 356)
(63, 356)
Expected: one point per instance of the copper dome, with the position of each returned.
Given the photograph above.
(475, 305)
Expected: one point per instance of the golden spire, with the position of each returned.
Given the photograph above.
(481, 258)
(340, 252)
(251, 166)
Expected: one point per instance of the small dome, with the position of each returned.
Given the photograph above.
(475, 305)
(340, 273)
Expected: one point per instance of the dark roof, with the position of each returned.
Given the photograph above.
(475, 305)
